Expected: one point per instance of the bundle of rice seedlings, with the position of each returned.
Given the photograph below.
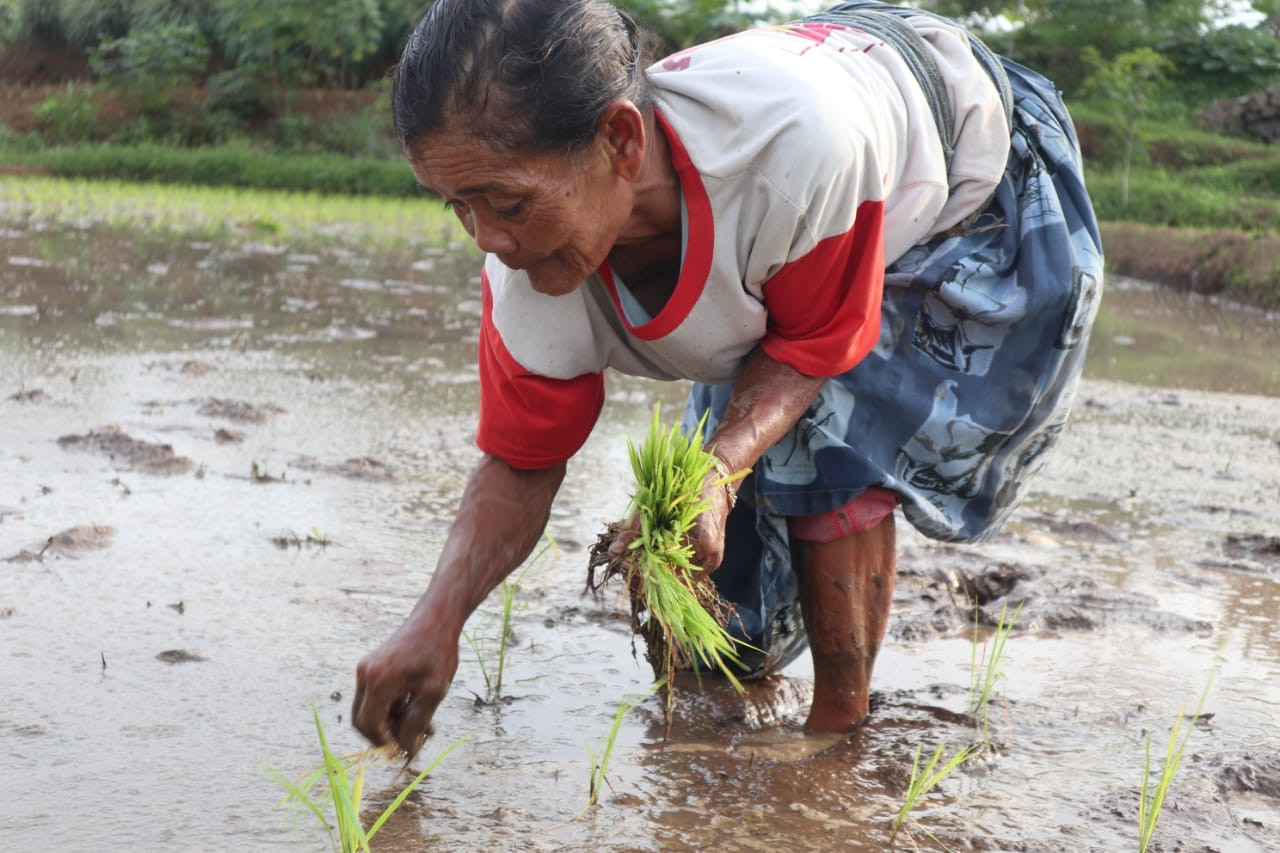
(674, 604)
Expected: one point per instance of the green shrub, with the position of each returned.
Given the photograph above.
(1157, 197)
(367, 133)
(66, 118)
(12, 140)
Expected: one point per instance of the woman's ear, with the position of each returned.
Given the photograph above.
(622, 131)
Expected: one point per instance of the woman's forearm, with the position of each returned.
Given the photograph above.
(501, 517)
(768, 398)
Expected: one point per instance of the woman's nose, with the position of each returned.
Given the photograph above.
(491, 238)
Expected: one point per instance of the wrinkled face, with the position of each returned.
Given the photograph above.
(554, 216)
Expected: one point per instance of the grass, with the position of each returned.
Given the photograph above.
(340, 779)
(600, 763)
(991, 666)
(673, 604)
(1151, 798)
(924, 781)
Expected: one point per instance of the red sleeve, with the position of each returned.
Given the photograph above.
(824, 308)
(530, 421)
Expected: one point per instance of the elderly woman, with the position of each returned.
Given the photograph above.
(863, 236)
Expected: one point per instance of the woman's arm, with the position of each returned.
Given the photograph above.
(768, 398)
(502, 515)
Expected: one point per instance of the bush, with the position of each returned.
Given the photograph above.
(67, 118)
(1157, 197)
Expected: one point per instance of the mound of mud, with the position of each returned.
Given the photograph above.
(1252, 775)
(362, 468)
(29, 395)
(940, 591)
(239, 410)
(1264, 549)
(71, 542)
(145, 456)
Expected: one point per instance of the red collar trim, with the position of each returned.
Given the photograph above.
(698, 251)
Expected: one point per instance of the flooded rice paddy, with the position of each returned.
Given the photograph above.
(228, 461)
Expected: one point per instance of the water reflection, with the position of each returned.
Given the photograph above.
(1154, 336)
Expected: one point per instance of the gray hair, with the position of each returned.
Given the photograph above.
(528, 75)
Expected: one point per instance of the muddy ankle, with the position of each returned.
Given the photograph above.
(841, 694)
(834, 718)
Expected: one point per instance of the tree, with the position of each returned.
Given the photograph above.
(677, 24)
(1127, 84)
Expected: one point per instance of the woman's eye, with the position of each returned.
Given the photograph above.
(510, 212)
(458, 207)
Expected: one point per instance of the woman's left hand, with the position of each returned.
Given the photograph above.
(707, 534)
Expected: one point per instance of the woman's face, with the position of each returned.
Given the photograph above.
(554, 216)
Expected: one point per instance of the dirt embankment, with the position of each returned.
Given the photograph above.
(1241, 266)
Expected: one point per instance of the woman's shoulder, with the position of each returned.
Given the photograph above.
(552, 336)
(735, 100)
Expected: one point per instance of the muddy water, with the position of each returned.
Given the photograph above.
(226, 469)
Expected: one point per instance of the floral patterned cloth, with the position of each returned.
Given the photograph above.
(982, 343)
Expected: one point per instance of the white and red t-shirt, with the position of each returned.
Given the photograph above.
(808, 159)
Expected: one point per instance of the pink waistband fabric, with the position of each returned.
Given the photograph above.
(857, 516)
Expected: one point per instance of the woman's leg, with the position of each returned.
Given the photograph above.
(846, 589)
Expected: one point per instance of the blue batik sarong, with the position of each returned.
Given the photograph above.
(982, 342)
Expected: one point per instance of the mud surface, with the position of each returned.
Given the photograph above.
(157, 660)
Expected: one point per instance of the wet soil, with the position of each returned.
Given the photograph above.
(259, 569)
(131, 453)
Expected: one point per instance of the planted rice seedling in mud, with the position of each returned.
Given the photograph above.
(991, 664)
(600, 764)
(924, 781)
(674, 604)
(510, 588)
(344, 792)
(1151, 798)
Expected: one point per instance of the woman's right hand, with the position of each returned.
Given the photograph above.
(400, 684)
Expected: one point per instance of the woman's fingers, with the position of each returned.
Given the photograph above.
(411, 721)
(371, 709)
(626, 534)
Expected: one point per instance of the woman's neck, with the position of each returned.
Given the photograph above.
(655, 213)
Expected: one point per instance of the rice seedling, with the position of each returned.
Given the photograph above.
(1151, 798)
(344, 792)
(510, 588)
(990, 664)
(924, 781)
(674, 605)
(600, 764)
(215, 211)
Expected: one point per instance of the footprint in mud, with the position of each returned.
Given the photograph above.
(145, 456)
(71, 542)
(238, 410)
